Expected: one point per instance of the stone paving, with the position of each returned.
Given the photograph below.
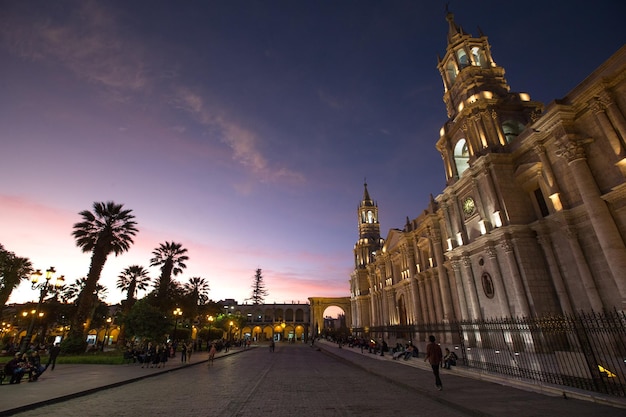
(294, 380)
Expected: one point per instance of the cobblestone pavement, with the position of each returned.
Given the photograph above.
(294, 380)
(304, 381)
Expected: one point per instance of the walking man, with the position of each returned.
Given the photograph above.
(434, 357)
(54, 353)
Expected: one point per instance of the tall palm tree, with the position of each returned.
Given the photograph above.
(171, 257)
(108, 229)
(131, 280)
(13, 269)
(199, 289)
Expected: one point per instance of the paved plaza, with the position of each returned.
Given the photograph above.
(296, 379)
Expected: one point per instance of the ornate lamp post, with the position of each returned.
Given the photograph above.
(43, 288)
(230, 334)
(210, 318)
(106, 330)
(177, 313)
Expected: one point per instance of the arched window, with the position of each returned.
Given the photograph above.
(479, 57)
(461, 156)
(451, 70)
(511, 129)
(463, 58)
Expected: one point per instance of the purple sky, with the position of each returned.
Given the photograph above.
(244, 129)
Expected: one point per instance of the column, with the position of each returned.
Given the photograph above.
(602, 222)
(444, 283)
(521, 297)
(470, 284)
(583, 270)
(555, 273)
(456, 267)
(496, 275)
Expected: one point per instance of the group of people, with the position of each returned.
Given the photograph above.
(406, 352)
(27, 363)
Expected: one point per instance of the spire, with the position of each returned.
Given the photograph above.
(453, 29)
(366, 194)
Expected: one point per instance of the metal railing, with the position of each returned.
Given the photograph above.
(582, 350)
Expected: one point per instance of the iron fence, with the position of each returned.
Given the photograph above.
(582, 350)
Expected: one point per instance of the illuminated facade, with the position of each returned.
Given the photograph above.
(533, 216)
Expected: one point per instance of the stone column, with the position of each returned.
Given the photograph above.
(583, 270)
(444, 283)
(470, 284)
(423, 299)
(557, 279)
(521, 297)
(500, 289)
(613, 112)
(599, 109)
(599, 214)
(456, 267)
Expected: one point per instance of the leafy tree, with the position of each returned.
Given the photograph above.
(258, 288)
(13, 269)
(170, 256)
(145, 321)
(108, 229)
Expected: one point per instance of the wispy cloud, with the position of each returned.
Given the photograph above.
(86, 40)
(243, 142)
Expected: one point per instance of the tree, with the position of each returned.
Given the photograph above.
(199, 289)
(131, 280)
(258, 288)
(171, 257)
(13, 269)
(145, 321)
(108, 229)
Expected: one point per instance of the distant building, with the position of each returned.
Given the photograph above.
(532, 220)
(263, 322)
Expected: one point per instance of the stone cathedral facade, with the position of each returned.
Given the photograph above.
(532, 220)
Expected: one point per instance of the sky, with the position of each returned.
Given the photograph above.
(245, 130)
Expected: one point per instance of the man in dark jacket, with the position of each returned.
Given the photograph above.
(434, 357)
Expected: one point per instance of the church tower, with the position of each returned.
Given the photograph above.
(484, 116)
(369, 231)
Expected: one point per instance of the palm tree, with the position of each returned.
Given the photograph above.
(199, 289)
(131, 280)
(171, 257)
(13, 270)
(109, 229)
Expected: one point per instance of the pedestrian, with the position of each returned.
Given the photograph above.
(434, 357)
(54, 352)
(272, 345)
(212, 353)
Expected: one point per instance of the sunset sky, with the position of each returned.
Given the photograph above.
(244, 130)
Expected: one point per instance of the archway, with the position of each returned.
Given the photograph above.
(320, 304)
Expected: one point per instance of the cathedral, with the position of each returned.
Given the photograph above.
(532, 220)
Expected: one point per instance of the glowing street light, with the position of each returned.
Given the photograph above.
(210, 318)
(43, 288)
(177, 313)
(106, 330)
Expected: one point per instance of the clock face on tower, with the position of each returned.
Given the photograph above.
(468, 206)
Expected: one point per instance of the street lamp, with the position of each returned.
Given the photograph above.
(210, 318)
(177, 313)
(106, 330)
(43, 288)
(230, 334)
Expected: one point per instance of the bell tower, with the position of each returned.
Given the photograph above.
(369, 231)
(483, 115)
